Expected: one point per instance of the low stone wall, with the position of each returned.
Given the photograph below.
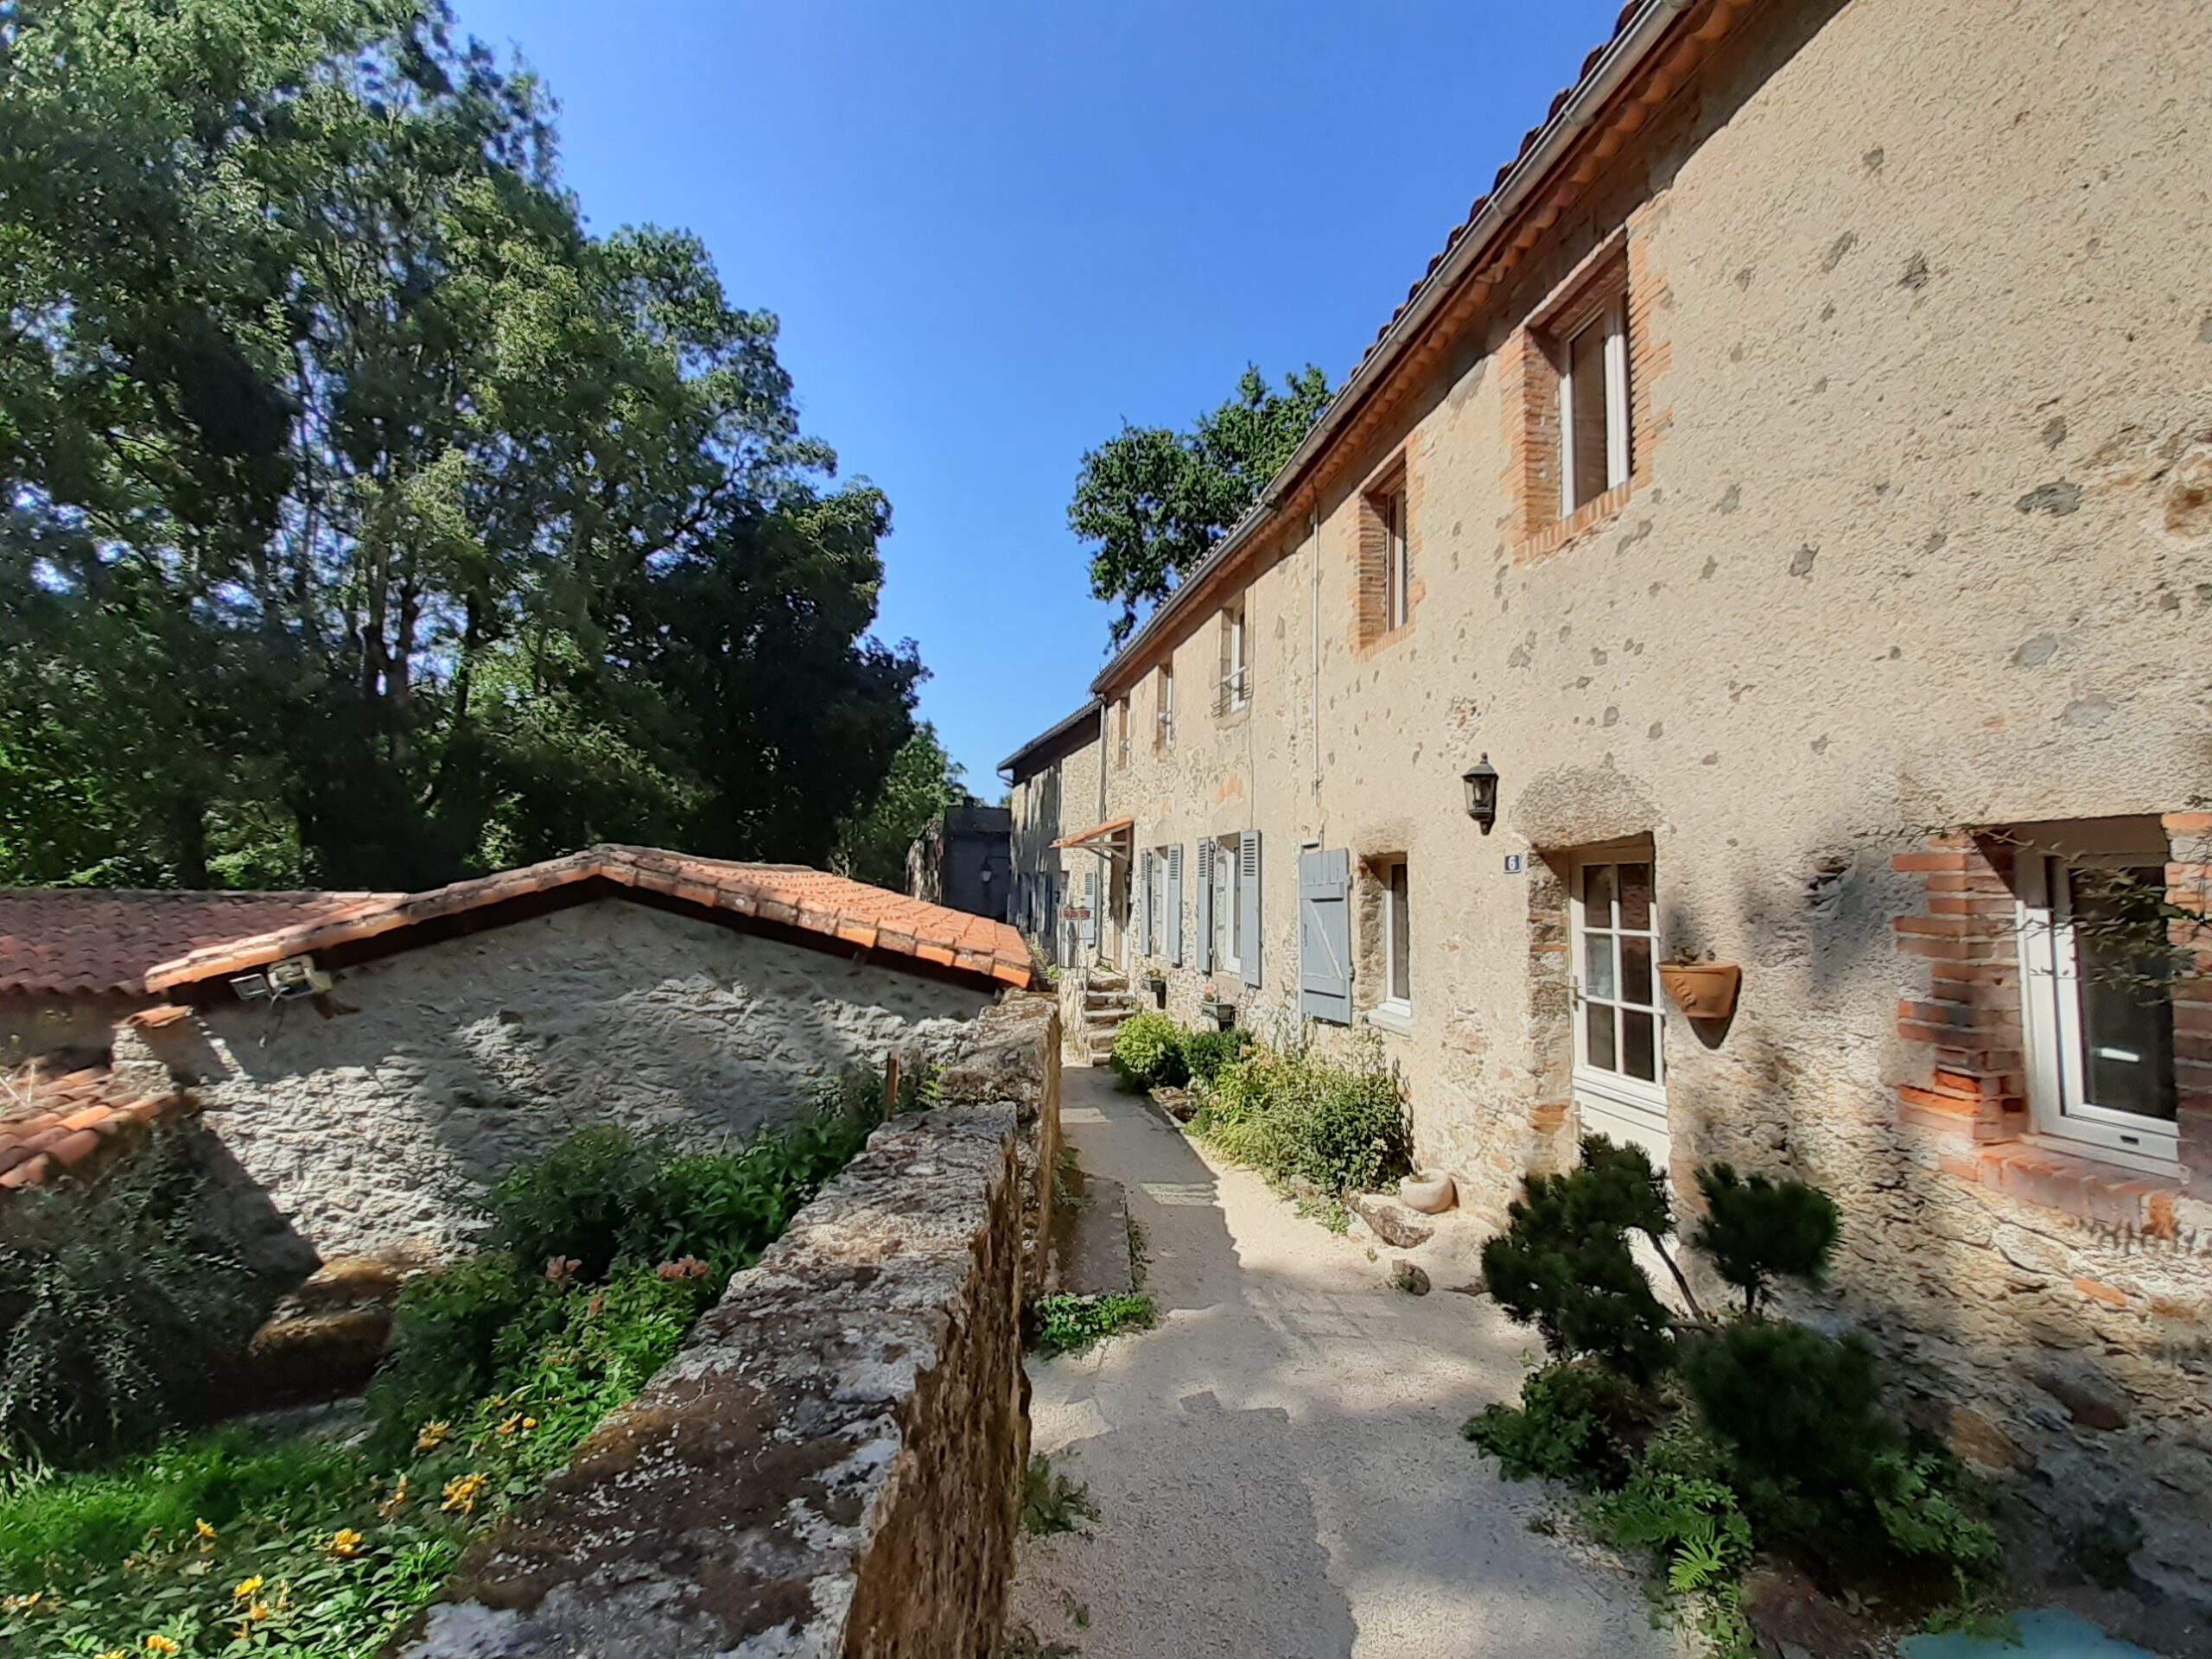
(831, 1466)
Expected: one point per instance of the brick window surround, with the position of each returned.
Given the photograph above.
(1968, 1029)
(1373, 624)
(1532, 361)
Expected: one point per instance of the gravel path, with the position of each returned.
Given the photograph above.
(1277, 1465)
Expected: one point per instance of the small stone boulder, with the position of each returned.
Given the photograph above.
(1394, 1223)
(329, 1334)
(1405, 1276)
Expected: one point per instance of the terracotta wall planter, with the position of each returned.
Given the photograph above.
(1702, 990)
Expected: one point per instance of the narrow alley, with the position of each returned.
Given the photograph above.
(1277, 1465)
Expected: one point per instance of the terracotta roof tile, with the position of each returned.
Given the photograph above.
(52, 1124)
(63, 941)
(812, 900)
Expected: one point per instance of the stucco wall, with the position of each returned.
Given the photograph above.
(1918, 537)
(439, 1066)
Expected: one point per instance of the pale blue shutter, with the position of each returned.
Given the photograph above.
(1325, 935)
(1089, 931)
(1146, 939)
(1205, 906)
(1175, 904)
(1247, 905)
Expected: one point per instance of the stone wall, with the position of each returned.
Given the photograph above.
(1013, 1052)
(370, 1121)
(831, 1466)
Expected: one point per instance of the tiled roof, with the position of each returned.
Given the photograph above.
(813, 901)
(101, 941)
(50, 1125)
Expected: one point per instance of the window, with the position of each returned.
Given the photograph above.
(1228, 922)
(1619, 1070)
(1397, 938)
(2096, 973)
(1593, 407)
(1155, 905)
(1164, 735)
(1236, 686)
(1122, 732)
(1397, 565)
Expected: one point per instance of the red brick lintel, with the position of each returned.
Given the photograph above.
(2133, 1203)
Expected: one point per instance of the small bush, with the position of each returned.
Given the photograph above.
(582, 1199)
(1208, 1052)
(1148, 1051)
(1563, 1264)
(1568, 1427)
(1800, 1411)
(1677, 1504)
(122, 1307)
(1052, 1502)
(1342, 1128)
(1755, 1231)
(1068, 1324)
(446, 1330)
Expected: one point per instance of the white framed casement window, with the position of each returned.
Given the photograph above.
(1164, 734)
(1397, 560)
(1228, 926)
(1155, 910)
(1235, 690)
(1619, 1078)
(1593, 407)
(2096, 981)
(1122, 732)
(1397, 939)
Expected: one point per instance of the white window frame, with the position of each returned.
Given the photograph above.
(1611, 1100)
(1228, 921)
(1396, 999)
(1122, 731)
(1235, 682)
(1155, 903)
(1165, 716)
(2050, 993)
(1613, 319)
(1397, 563)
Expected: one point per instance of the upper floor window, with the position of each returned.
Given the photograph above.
(1164, 731)
(1236, 686)
(1397, 562)
(1593, 406)
(2097, 971)
(1122, 732)
(1386, 561)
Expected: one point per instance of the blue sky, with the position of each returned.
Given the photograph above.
(992, 231)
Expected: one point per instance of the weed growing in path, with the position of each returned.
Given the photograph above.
(1068, 1324)
(1053, 1503)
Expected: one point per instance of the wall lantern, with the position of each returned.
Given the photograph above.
(1481, 779)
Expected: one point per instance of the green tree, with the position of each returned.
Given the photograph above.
(368, 522)
(1153, 502)
(922, 782)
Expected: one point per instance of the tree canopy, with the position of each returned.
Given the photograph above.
(922, 782)
(1153, 501)
(366, 521)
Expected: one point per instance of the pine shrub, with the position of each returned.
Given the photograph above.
(1755, 1231)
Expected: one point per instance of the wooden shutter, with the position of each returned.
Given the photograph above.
(1205, 906)
(1325, 935)
(1247, 905)
(1175, 904)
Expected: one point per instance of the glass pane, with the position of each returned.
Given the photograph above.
(1636, 970)
(2127, 1011)
(1598, 964)
(1401, 971)
(1598, 1020)
(1636, 896)
(1639, 1050)
(1597, 895)
(1586, 363)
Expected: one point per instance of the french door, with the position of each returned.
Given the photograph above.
(1620, 1068)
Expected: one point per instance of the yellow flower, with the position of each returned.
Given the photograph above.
(206, 1536)
(433, 1436)
(396, 1502)
(260, 1610)
(511, 1424)
(460, 1493)
(245, 1587)
(22, 1604)
(529, 1422)
(345, 1541)
(158, 1643)
(113, 1653)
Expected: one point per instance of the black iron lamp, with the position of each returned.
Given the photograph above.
(1481, 779)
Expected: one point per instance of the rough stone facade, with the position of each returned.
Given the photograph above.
(1057, 787)
(371, 1125)
(831, 1466)
(1916, 537)
(1013, 1052)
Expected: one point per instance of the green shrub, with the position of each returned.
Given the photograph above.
(1563, 1264)
(1568, 1427)
(1068, 1324)
(123, 1307)
(582, 1199)
(1757, 1229)
(446, 1332)
(1208, 1052)
(1341, 1127)
(1148, 1051)
(1053, 1503)
(1800, 1411)
(1678, 1504)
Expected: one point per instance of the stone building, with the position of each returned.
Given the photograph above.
(362, 1064)
(964, 859)
(1057, 782)
(1794, 482)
